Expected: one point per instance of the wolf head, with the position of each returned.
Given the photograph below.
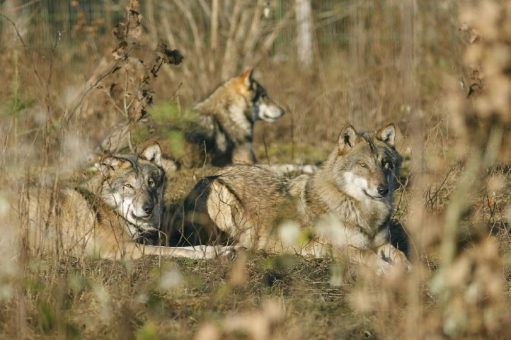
(366, 165)
(262, 107)
(242, 100)
(133, 185)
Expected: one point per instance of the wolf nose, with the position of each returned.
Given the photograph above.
(148, 208)
(382, 190)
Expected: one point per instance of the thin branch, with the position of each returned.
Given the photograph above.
(92, 85)
(214, 25)
(197, 38)
(25, 46)
(270, 39)
(255, 29)
(229, 46)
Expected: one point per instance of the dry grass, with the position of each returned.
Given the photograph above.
(174, 298)
(400, 61)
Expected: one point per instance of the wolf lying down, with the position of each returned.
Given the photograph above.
(344, 207)
(109, 215)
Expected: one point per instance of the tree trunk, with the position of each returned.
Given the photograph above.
(304, 32)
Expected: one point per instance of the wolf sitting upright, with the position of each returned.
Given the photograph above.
(219, 131)
(228, 116)
(107, 215)
(346, 205)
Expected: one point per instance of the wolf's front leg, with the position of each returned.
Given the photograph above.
(201, 252)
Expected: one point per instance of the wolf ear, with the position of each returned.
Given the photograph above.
(152, 153)
(247, 76)
(387, 134)
(347, 139)
(109, 164)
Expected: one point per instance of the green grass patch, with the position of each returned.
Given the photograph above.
(171, 114)
(14, 105)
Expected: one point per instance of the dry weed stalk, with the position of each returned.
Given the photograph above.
(470, 282)
(468, 291)
(119, 92)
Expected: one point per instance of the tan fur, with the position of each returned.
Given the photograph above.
(92, 218)
(345, 205)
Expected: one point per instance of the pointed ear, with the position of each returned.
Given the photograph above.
(387, 134)
(247, 76)
(109, 164)
(348, 139)
(152, 153)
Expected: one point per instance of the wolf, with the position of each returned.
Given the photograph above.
(344, 207)
(109, 215)
(219, 130)
(227, 117)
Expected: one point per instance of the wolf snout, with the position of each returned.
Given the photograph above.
(382, 190)
(274, 112)
(148, 208)
(270, 112)
(279, 112)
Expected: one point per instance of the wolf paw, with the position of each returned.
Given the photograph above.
(229, 252)
(309, 169)
(383, 267)
(396, 258)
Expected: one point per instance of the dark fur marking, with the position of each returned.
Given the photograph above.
(195, 231)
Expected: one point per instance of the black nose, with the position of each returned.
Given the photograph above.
(148, 208)
(382, 190)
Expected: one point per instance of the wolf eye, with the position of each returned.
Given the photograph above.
(128, 186)
(362, 164)
(388, 165)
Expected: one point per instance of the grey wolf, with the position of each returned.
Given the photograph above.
(344, 207)
(109, 215)
(227, 119)
(219, 131)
